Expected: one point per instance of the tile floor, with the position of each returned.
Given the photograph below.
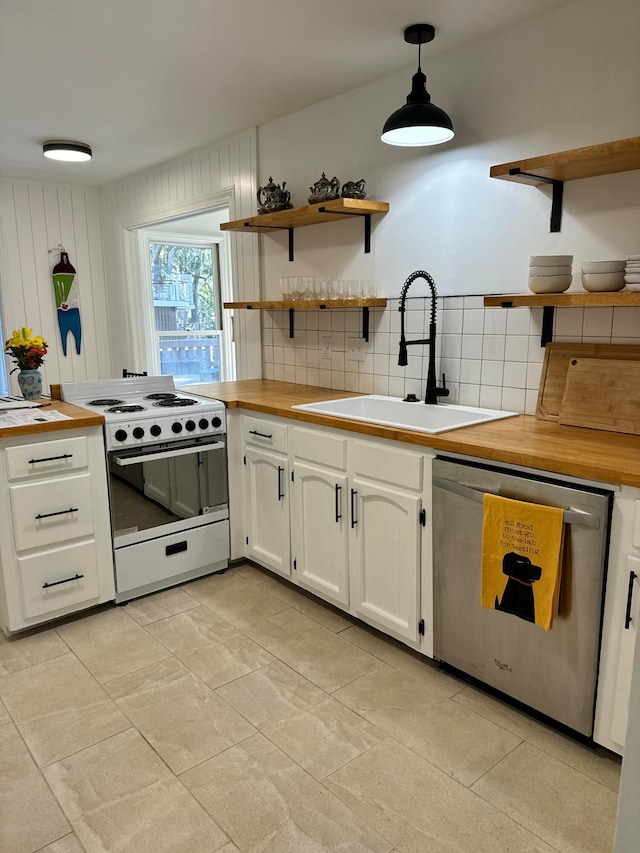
(236, 713)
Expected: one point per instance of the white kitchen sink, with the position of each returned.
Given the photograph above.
(394, 412)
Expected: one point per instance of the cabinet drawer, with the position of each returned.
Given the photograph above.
(59, 579)
(41, 511)
(320, 447)
(263, 433)
(397, 467)
(46, 457)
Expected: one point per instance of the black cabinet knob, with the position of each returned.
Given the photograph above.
(120, 435)
(138, 432)
(176, 427)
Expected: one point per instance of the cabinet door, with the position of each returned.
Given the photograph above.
(267, 482)
(384, 557)
(319, 531)
(629, 630)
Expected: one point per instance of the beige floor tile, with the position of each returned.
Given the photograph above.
(420, 810)
(458, 741)
(314, 608)
(68, 844)
(4, 714)
(272, 695)
(326, 659)
(325, 738)
(561, 805)
(213, 587)
(243, 606)
(226, 660)
(60, 708)
(191, 630)
(29, 815)
(151, 608)
(289, 810)
(21, 652)
(120, 796)
(182, 718)
(281, 629)
(599, 764)
(253, 574)
(110, 644)
(402, 658)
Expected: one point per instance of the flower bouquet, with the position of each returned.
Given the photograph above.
(28, 352)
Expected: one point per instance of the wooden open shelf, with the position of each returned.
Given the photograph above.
(619, 299)
(590, 162)
(310, 214)
(311, 304)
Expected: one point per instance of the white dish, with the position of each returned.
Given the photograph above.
(549, 283)
(631, 285)
(600, 282)
(550, 260)
(632, 278)
(603, 266)
(565, 269)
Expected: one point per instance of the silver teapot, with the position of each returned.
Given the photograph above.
(324, 190)
(354, 189)
(273, 197)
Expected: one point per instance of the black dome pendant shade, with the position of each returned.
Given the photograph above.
(418, 122)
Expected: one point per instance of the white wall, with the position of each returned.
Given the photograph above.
(566, 79)
(35, 217)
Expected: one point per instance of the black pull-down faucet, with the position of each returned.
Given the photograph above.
(433, 391)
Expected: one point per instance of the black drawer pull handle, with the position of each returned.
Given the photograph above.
(338, 490)
(51, 514)
(176, 548)
(51, 458)
(280, 492)
(66, 580)
(261, 434)
(354, 520)
(627, 618)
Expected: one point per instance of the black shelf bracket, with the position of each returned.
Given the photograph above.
(291, 330)
(367, 224)
(365, 323)
(556, 197)
(275, 228)
(548, 311)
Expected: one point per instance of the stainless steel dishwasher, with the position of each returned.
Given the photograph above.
(554, 672)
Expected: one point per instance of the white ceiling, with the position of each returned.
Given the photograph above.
(144, 81)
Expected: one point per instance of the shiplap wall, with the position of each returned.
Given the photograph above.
(187, 185)
(36, 217)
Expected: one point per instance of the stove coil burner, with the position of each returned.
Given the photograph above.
(161, 396)
(176, 402)
(106, 402)
(123, 410)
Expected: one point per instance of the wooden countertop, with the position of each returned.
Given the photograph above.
(592, 454)
(79, 419)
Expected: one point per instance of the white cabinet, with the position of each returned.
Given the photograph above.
(621, 621)
(55, 542)
(267, 508)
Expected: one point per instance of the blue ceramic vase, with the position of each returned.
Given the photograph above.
(30, 382)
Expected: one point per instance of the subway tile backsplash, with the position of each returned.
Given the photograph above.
(491, 357)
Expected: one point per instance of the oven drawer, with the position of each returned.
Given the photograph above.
(46, 513)
(46, 457)
(168, 557)
(59, 579)
(263, 433)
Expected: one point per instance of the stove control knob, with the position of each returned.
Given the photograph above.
(120, 435)
(138, 432)
(216, 422)
(155, 430)
(203, 423)
(190, 426)
(176, 427)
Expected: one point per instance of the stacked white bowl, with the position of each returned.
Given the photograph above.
(632, 272)
(600, 276)
(550, 273)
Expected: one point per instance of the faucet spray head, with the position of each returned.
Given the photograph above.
(403, 360)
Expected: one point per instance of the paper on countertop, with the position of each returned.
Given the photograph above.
(17, 403)
(25, 417)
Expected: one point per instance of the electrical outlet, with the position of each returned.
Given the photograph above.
(355, 349)
(325, 346)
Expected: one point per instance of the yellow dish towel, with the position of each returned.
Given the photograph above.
(522, 552)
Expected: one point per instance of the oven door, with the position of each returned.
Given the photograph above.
(167, 488)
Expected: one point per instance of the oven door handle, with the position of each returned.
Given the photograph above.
(167, 454)
(571, 515)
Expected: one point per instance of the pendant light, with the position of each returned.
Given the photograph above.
(64, 149)
(418, 122)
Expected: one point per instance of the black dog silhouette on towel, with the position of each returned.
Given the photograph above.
(517, 597)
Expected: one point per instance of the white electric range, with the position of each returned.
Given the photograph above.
(167, 469)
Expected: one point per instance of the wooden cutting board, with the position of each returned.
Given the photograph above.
(556, 364)
(602, 394)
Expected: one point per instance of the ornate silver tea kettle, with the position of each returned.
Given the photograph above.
(324, 190)
(273, 197)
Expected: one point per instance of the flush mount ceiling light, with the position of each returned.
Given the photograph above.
(64, 149)
(418, 122)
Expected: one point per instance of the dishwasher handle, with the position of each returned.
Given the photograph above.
(571, 515)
